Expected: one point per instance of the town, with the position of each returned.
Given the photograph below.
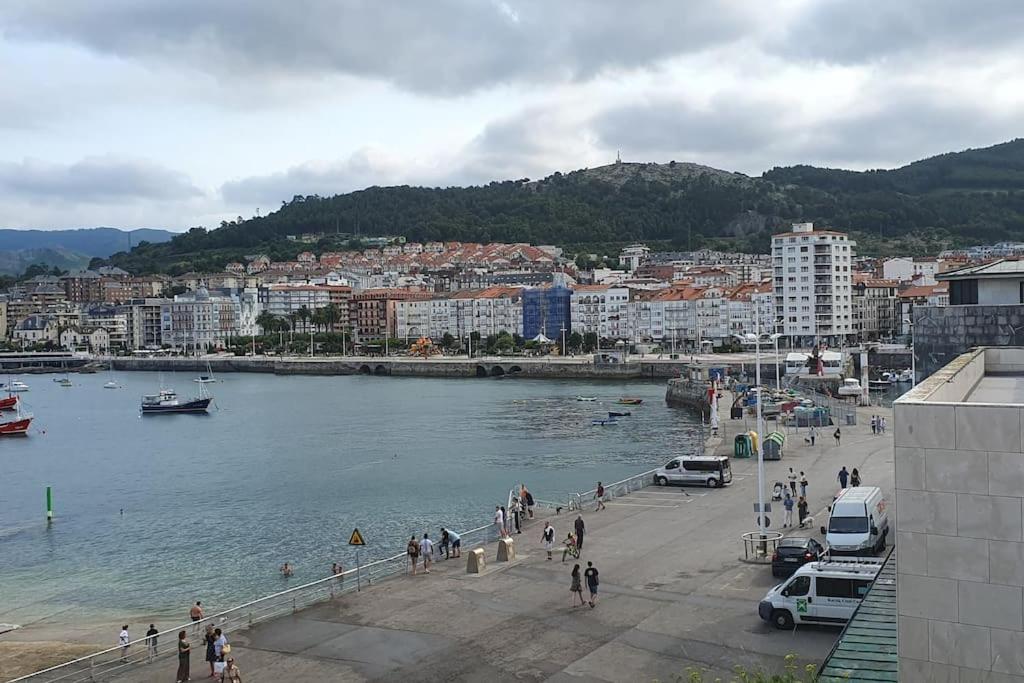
(490, 298)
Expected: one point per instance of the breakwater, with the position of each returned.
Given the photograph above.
(534, 368)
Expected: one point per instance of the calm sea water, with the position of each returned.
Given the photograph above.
(282, 469)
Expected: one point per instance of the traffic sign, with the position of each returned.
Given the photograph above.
(356, 538)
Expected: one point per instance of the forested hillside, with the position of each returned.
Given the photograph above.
(966, 197)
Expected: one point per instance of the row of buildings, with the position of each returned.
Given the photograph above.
(811, 288)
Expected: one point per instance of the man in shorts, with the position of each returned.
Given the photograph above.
(591, 575)
(456, 543)
(426, 552)
(196, 615)
(599, 497)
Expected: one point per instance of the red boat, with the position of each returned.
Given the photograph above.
(9, 403)
(16, 427)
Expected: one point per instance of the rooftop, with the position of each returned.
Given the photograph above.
(1004, 267)
(986, 375)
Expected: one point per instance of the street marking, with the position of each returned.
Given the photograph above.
(641, 505)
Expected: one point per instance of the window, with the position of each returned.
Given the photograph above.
(834, 588)
(801, 585)
(860, 587)
(963, 292)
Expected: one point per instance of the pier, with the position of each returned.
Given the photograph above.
(674, 594)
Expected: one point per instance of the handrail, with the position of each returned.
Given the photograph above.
(616, 484)
(87, 663)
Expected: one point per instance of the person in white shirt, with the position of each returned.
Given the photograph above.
(499, 521)
(426, 552)
(123, 641)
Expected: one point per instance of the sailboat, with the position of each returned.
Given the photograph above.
(111, 383)
(208, 378)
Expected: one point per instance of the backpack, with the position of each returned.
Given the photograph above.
(413, 548)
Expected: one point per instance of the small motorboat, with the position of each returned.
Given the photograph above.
(18, 425)
(586, 398)
(14, 386)
(904, 376)
(612, 413)
(111, 385)
(630, 401)
(64, 382)
(204, 379)
(879, 384)
(603, 422)
(9, 403)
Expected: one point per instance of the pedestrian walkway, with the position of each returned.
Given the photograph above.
(673, 595)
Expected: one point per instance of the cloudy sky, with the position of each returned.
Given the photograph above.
(172, 113)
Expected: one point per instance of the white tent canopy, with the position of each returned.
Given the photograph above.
(541, 339)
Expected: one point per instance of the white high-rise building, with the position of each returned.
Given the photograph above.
(813, 283)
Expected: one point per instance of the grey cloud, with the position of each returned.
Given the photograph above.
(356, 172)
(895, 126)
(94, 180)
(441, 47)
(848, 32)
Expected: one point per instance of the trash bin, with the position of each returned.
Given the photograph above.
(851, 419)
(741, 446)
(773, 445)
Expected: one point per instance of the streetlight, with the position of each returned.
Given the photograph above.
(913, 353)
(775, 338)
(757, 340)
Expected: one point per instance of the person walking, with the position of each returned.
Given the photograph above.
(792, 480)
(801, 510)
(787, 503)
(527, 498)
(592, 582)
(576, 587)
(151, 636)
(599, 497)
(843, 476)
(803, 484)
(184, 653)
(837, 434)
(569, 547)
(812, 434)
(196, 615)
(499, 521)
(854, 477)
(412, 549)
(580, 528)
(232, 674)
(505, 522)
(548, 538)
(426, 552)
(881, 424)
(123, 639)
(219, 643)
(209, 639)
(874, 424)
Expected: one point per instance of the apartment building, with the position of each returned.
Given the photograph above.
(602, 310)
(487, 312)
(113, 320)
(547, 311)
(144, 322)
(372, 313)
(680, 316)
(812, 279)
(199, 321)
(875, 307)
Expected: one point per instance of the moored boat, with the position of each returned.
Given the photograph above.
(626, 401)
(851, 387)
(111, 385)
(14, 386)
(603, 422)
(612, 413)
(9, 402)
(168, 402)
(586, 398)
(17, 425)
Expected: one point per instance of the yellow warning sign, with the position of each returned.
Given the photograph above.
(356, 538)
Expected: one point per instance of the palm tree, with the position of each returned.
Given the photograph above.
(268, 322)
(304, 314)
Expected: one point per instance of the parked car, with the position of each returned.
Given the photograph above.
(793, 553)
(825, 593)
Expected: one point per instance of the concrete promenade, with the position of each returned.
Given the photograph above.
(673, 595)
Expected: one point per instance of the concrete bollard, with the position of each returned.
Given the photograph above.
(475, 561)
(506, 550)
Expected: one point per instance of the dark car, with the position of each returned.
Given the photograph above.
(792, 553)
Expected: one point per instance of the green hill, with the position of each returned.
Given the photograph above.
(966, 197)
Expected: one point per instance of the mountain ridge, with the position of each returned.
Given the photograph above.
(949, 199)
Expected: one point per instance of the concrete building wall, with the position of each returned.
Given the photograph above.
(959, 489)
(941, 333)
(998, 292)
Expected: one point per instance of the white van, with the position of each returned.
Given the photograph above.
(858, 522)
(710, 470)
(820, 592)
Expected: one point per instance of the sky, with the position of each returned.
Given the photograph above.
(178, 113)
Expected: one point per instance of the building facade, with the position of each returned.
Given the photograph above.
(812, 278)
(547, 310)
(199, 322)
(602, 310)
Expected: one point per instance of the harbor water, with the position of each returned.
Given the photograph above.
(153, 513)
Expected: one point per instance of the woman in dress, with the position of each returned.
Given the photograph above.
(210, 639)
(855, 477)
(184, 651)
(576, 588)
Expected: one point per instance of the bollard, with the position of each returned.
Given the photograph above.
(506, 550)
(49, 504)
(475, 562)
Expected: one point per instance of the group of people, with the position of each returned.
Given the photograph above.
(851, 478)
(791, 500)
(421, 551)
(878, 424)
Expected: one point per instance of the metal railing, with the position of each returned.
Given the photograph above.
(613, 490)
(117, 660)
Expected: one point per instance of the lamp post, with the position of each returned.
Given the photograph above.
(913, 354)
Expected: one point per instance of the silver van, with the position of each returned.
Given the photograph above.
(710, 470)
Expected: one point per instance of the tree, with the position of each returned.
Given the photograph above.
(575, 341)
(590, 342)
(448, 341)
(268, 322)
(304, 314)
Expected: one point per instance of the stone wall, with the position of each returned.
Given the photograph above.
(941, 333)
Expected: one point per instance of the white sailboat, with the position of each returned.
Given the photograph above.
(207, 378)
(111, 383)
